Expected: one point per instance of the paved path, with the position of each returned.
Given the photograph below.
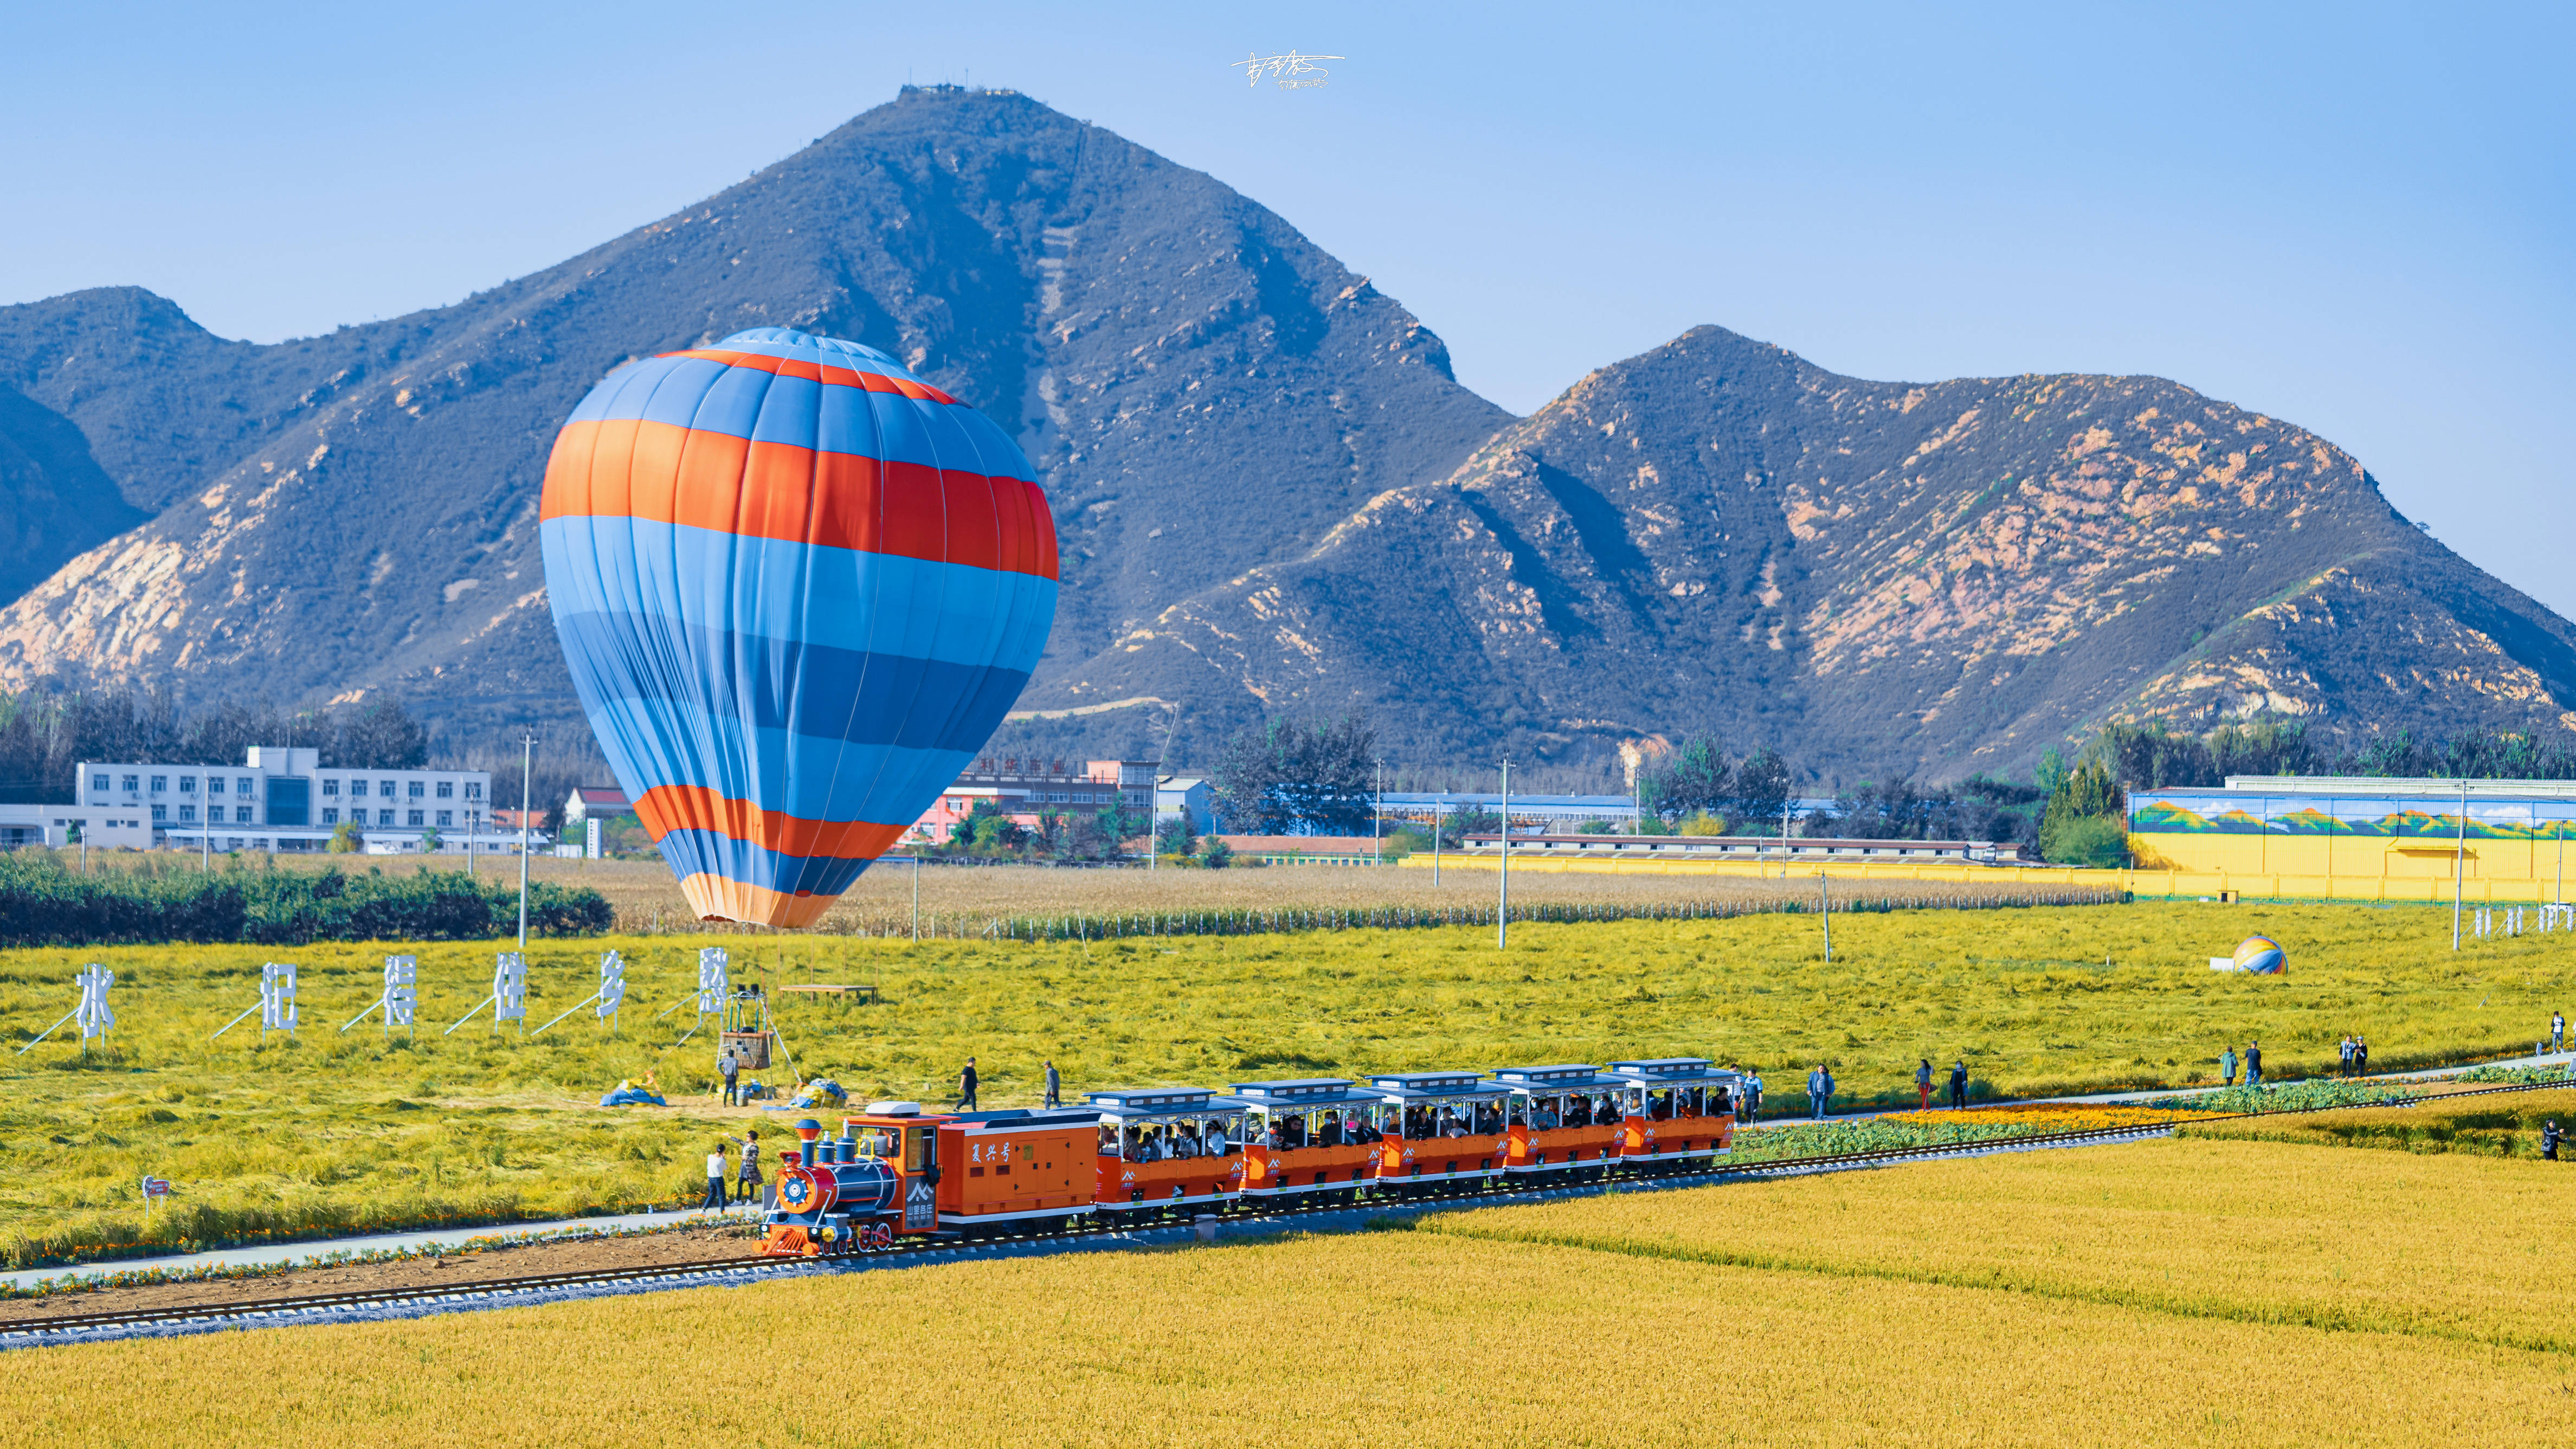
(309, 1252)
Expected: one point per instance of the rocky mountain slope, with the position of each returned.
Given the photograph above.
(1947, 578)
(354, 512)
(1271, 492)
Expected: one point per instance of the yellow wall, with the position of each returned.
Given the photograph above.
(2254, 866)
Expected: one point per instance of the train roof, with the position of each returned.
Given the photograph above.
(1301, 1091)
(1015, 1118)
(1562, 1077)
(1667, 1069)
(1408, 1086)
(1159, 1102)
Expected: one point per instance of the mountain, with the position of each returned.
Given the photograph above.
(353, 513)
(1272, 496)
(1719, 536)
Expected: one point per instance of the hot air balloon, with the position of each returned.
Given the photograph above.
(798, 588)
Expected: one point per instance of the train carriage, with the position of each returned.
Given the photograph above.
(1166, 1149)
(1015, 1171)
(1566, 1122)
(1440, 1131)
(1678, 1113)
(1307, 1139)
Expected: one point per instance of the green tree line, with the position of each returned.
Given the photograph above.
(43, 903)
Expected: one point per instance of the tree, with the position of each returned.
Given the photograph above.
(2087, 819)
(1696, 781)
(1283, 777)
(431, 840)
(1466, 820)
(1118, 822)
(1215, 854)
(345, 839)
(385, 737)
(1761, 795)
(1175, 837)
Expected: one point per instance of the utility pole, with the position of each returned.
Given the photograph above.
(527, 765)
(916, 896)
(1377, 818)
(1440, 808)
(1825, 894)
(2459, 864)
(1503, 911)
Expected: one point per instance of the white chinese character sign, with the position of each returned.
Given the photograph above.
(509, 988)
(713, 988)
(277, 996)
(93, 1014)
(402, 990)
(612, 986)
(1289, 71)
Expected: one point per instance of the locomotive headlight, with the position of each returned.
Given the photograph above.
(825, 1234)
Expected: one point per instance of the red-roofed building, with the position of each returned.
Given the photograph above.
(1026, 788)
(601, 802)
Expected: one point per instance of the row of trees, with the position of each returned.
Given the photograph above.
(44, 737)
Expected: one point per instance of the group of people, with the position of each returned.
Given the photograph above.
(746, 1182)
(2355, 1056)
(968, 1080)
(1958, 1083)
(2253, 1064)
(1166, 1142)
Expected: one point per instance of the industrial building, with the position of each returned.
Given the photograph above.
(282, 799)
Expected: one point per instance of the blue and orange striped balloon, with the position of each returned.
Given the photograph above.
(798, 589)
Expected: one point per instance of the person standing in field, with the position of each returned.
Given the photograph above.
(966, 1087)
(729, 1068)
(2343, 1051)
(2557, 1032)
(2549, 1141)
(1054, 1087)
(715, 1181)
(1959, 1084)
(2361, 1056)
(746, 1181)
(2227, 1065)
(2254, 1064)
(1753, 1092)
(1923, 1084)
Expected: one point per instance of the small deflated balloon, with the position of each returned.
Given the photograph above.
(2262, 956)
(798, 588)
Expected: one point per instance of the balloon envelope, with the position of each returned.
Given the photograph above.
(798, 588)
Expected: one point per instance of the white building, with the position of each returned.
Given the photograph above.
(27, 825)
(282, 799)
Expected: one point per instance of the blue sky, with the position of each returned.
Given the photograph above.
(2357, 218)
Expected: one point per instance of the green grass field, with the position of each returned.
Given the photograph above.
(337, 1132)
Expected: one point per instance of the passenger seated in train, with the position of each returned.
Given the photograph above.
(1417, 1123)
(1450, 1125)
(1212, 1141)
(1659, 1105)
(1108, 1140)
(1489, 1118)
(1292, 1131)
(1545, 1118)
(1330, 1133)
(1578, 1111)
(1362, 1131)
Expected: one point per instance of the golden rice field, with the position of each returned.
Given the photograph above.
(2105, 1297)
(2457, 1249)
(2503, 1125)
(331, 1133)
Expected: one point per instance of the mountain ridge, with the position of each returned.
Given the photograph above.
(1272, 494)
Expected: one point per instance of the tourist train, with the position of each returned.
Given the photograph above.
(1134, 1155)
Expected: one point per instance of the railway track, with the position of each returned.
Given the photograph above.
(493, 1292)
